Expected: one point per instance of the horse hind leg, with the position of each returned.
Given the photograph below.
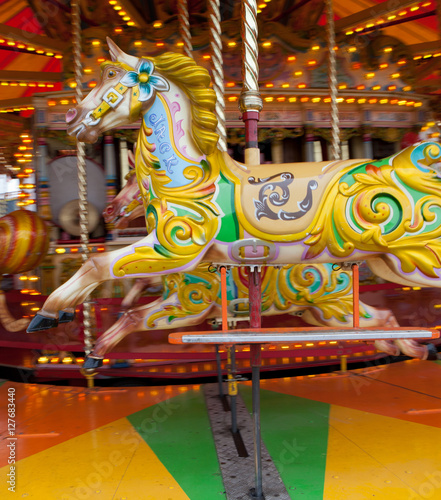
(408, 347)
(136, 320)
(414, 349)
(131, 321)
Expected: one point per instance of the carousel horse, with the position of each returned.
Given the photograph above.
(24, 241)
(204, 207)
(319, 294)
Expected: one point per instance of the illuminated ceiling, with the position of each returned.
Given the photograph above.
(35, 35)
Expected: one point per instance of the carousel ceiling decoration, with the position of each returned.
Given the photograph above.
(387, 52)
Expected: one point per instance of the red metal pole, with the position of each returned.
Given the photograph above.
(251, 119)
(356, 295)
(224, 298)
(255, 294)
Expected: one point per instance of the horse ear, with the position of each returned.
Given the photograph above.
(114, 50)
(116, 54)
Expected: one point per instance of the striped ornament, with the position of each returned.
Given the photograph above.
(24, 241)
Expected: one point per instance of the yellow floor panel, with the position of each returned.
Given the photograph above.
(372, 456)
(109, 463)
(148, 479)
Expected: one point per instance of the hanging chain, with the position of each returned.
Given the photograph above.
(82, 173)
(332, 73)
(218, 70)
(184, 27)
(250, 97)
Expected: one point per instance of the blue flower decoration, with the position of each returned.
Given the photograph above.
(145, 80)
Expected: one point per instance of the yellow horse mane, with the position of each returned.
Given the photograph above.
(195, 81)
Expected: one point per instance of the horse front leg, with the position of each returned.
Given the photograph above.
(60, 305)
(149, 317)
(139, 259)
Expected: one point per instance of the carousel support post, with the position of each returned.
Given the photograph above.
(110, 169)
(332, 77)
(232, 386)
(343, 363)
(250, 104)
(218, 86)
(219, 374)
(82, 177)
(309, 146)
(368, 150)
(231, 350)
(250, 101)
(44, 208)
(184, 27)
(255, 297)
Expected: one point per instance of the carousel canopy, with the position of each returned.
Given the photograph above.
(381, 46)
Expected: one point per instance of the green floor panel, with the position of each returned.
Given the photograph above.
(295, 432)
(178, 431)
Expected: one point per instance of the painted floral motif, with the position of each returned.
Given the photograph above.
(145, 79)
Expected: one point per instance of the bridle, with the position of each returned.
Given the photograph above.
(110, 101)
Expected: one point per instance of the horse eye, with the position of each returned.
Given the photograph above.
(111, 73)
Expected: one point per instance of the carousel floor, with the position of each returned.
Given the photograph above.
(370, 433)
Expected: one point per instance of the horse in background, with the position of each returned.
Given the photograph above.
(317, 293)
(127, 204)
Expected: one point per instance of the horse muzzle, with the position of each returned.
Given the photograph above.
(70, 115)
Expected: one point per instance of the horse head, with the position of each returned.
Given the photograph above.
(127, 88)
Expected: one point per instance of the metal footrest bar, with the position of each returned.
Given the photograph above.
(273, 335)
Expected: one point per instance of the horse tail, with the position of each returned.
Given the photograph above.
(24, 241)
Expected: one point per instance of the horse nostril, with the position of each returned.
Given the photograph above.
(70, 115)
(109, 210)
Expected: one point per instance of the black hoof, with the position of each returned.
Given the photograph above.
(40, 322)
(92, 363)
(433, 352)
(65, 317)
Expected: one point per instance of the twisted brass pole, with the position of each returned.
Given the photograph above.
(218, 71)
(250, 99)
(250, 102)
(82, 173)
(332, 72)
(184, 27)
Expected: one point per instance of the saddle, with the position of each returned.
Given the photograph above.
(280, 201)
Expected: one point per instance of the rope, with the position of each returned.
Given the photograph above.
(332, 73)
(218, 71)
(82, 173)
(184, 27)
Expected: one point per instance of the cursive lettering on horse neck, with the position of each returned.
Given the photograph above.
(159, 130)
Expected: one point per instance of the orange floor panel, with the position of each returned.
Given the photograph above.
(368, 433)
